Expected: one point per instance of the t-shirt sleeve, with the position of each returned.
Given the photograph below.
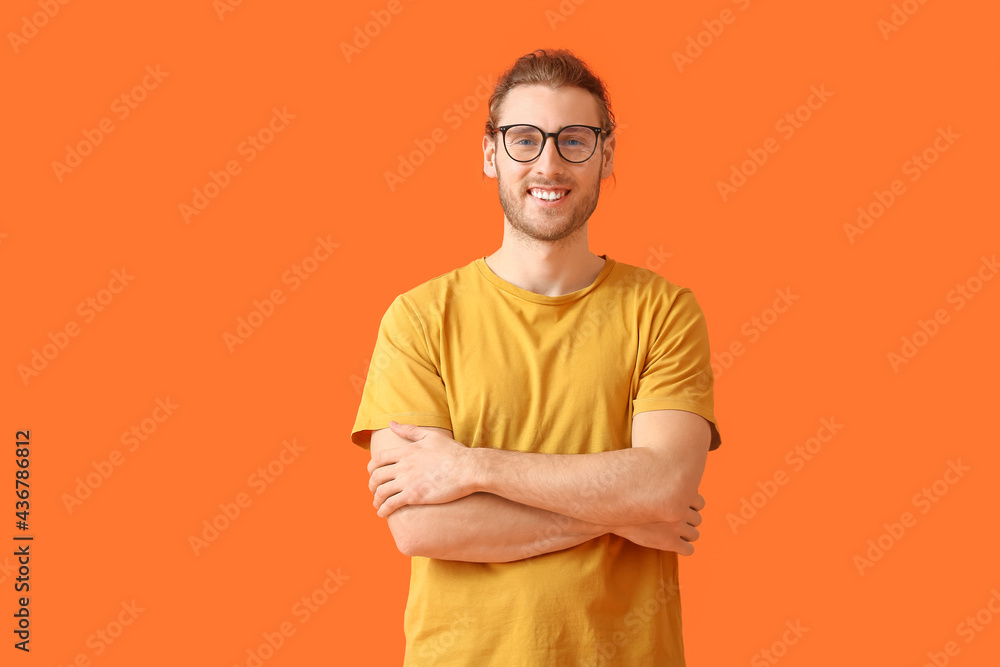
(403, 382)
(677, 371)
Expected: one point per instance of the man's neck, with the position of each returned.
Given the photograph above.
(546, 268)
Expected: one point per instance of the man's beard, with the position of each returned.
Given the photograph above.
(515, 207)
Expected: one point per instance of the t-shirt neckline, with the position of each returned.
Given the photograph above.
(528, 295)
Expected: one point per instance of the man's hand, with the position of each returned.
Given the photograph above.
(667, 536)
(431, 470)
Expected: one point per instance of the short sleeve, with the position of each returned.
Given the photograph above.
(403, 382)
(677, 371)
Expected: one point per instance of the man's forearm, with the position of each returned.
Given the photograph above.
(655, 482)
(486, 528)
(618, 488)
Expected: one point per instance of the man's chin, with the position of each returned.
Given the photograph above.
(545, 232)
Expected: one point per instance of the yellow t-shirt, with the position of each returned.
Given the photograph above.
(508, 368)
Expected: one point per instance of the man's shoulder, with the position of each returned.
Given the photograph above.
(647, 283)
(437, 292)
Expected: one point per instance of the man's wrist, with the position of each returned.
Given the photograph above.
(477, 470)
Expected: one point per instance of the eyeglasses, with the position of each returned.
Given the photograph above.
(574, 143)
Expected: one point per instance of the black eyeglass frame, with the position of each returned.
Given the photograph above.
(545, 136)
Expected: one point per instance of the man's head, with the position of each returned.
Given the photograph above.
(551, 196)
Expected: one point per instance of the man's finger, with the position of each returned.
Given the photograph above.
(409, 431)
(390, 505)
(384, 458)
(376, 480)
(396, 426)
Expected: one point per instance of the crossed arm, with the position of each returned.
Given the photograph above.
(445, 500)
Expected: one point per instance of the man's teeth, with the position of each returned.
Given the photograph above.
(548, 195)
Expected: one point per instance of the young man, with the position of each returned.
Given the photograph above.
(539, 419)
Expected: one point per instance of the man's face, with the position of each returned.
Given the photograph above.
(551, 110)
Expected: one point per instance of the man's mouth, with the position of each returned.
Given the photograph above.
(548, 194)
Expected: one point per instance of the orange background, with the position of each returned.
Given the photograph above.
(298, 375)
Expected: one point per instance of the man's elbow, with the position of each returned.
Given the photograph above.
(410, 538)
(676, 500)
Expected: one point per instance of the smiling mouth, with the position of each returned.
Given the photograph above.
(548, 195)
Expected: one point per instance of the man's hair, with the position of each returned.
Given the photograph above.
(556, 68)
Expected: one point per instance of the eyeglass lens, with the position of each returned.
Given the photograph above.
(576, 143)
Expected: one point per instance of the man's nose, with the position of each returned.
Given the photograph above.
(549, 162)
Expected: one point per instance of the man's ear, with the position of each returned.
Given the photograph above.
(489, 156)
(608, 156)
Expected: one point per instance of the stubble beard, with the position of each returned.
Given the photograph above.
(515, 204)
